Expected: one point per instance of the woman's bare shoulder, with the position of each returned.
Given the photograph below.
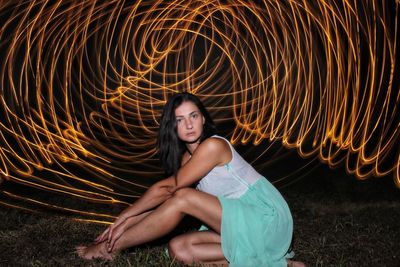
(215, 146)
(215, 143)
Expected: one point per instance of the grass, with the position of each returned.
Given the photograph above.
(338, 223)
(43, 240)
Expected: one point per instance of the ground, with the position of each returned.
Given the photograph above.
(338, 222)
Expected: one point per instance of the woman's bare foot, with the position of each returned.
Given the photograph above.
(94, 251)
(295, 263)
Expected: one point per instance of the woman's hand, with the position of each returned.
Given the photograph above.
(108, 233)
(114, 235)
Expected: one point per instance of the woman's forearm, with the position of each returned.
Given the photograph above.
(135, 219)
(153, 197)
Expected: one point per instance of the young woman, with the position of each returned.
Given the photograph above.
(246, 220)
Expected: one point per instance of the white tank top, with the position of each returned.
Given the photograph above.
(231, 180)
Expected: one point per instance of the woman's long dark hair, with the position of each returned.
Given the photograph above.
(170, 147)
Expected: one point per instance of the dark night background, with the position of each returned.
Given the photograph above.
(340, 219)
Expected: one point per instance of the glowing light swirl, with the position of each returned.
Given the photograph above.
(83, 85)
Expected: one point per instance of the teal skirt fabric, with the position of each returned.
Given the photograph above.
(256, 229)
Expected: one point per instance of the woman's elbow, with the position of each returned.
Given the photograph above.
(162, 191)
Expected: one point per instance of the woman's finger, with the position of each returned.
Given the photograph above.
(102, 237)
(99, 239)
(109, 236)
(112, 243)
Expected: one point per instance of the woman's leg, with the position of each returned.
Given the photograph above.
(164, 219)
(295, 263)
(196, 247)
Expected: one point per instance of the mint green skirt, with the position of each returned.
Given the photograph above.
(257, 228)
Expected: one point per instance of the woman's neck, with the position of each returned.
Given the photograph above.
(192, 147)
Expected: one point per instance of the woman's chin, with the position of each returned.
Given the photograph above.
(191, 139)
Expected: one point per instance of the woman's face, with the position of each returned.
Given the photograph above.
(189, 122)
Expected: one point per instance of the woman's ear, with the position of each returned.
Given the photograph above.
(204, 119)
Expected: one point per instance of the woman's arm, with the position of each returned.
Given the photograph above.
(154, 196)
(210, 153)
(117, 231)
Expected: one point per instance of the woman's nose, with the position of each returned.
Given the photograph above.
(189, 124)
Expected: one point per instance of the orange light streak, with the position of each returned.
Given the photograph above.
(83, 85)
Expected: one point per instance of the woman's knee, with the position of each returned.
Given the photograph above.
(184, 193)
(183, 196)
(179, 250)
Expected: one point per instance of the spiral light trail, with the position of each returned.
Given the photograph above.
(83, 84)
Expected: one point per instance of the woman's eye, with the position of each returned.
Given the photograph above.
(178, 121)
(194, 116)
